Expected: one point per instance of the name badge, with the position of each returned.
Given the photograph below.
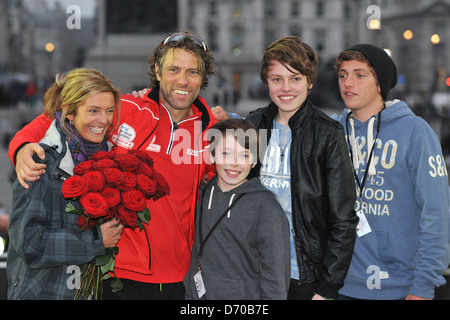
(198, 280)
(363, 227)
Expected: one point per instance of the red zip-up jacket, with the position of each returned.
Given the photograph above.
(161, 252)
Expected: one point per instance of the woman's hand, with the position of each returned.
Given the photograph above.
(111, 232)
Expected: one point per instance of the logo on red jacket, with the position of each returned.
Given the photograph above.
(152, 146)
(124, 138)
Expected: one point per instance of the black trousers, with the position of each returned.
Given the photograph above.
(135, 290)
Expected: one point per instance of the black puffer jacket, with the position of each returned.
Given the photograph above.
(323, 195)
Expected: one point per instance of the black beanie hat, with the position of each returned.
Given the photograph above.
(382, 63)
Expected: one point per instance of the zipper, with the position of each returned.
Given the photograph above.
(175, 126)
(149, 250)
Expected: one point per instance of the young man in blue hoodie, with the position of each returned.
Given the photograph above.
(402, 248)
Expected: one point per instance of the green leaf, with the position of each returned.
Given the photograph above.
(109, 266)
(147, 214)
(106, 276)
(102, 260)
(144, 215)
(116, 285)
(70, 208)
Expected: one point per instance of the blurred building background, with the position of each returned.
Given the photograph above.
(38, 39)
(118, 37)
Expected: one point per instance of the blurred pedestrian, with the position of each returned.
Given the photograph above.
(30, 93)
(4, 224)
(402, 248)
(7, 130)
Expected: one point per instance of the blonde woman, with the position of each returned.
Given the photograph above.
(44, 239)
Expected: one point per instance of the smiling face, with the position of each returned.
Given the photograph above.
(233, 163)
(94, 116)
(288, 89)
(180, 82)
(359, 89)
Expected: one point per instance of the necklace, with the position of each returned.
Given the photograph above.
(282, 149)
(288, 142)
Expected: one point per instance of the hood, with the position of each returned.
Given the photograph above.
(394, 109)
(53, 137)
(217, 195)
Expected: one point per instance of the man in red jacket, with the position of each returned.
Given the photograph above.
(169, 124)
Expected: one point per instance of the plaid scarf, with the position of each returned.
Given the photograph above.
(80, 148)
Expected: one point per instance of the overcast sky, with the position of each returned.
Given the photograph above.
(87, 6)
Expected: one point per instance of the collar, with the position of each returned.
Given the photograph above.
(302, 114)
(198, 106)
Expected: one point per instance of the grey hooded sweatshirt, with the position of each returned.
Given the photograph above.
(247, 256)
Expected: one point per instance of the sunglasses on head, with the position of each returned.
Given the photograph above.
(178, 36)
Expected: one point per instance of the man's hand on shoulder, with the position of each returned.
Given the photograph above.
(26, 168)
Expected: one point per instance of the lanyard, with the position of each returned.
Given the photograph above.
(363, 182)
(203, 241)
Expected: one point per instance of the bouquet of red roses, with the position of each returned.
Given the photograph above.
(111, 185)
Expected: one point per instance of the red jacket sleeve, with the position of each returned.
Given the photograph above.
(32, 132)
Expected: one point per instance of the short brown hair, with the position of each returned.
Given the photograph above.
(292, 53)
(349, 55)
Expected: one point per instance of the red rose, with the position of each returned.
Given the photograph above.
(127, 218)
(143, 156)
(127, 162)
(129, 181)
(146, 185)
(84, 223)
(94, 205)
(104, 163)
(111, 196)
(74, 187)
(83, 167)
(114, 176)
(134, 200)
(103, 155)
(96, 180)
(145, 169)
(162, 187)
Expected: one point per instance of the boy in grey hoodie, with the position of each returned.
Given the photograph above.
(241, 248)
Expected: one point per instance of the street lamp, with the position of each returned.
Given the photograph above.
(374, 24)
(435, 39)
(49, 47)
(408, 35)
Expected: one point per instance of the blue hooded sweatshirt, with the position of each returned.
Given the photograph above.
(406, 203)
